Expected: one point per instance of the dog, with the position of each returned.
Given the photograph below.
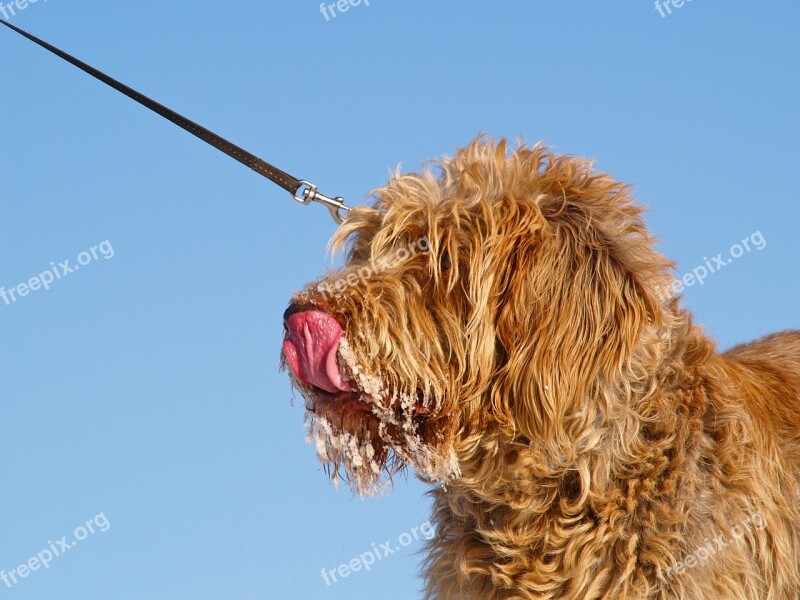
(501, 325)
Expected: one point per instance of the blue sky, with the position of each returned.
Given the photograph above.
(145, 386)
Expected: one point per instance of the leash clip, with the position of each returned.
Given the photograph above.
(311, 194)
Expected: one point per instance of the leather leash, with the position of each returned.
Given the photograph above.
(301, 190)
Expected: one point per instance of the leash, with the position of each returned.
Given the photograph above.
(301, 190)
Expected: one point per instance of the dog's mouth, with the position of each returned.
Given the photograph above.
(342, 403)
(360, 425)
(311, 349)
(355, 402)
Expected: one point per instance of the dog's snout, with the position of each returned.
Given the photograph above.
(311, 348)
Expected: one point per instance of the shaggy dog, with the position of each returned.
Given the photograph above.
(503, 324)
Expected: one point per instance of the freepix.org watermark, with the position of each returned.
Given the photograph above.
(702, 554)
(10, 9)
(376, 553)
(698, 275)
(42, 559)
(362, 275)
(45, 279)
(664, 7)
(331, 10)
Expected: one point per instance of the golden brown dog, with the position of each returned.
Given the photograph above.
(500, 325)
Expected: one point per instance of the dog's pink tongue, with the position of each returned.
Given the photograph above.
(310, 347)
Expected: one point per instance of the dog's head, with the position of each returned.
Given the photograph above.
(492, 300)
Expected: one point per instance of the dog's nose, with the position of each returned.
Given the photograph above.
(290, 310)
(296, 307)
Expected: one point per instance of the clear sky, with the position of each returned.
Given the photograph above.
(141, 393)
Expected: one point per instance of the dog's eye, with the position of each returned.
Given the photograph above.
(444, 262)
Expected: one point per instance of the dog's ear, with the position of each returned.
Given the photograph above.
(579, 298)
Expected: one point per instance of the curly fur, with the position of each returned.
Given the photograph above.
(584, 435)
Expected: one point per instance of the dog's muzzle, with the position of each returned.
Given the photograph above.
(311, 347)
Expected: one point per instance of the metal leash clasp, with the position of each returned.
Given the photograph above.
(308, 193)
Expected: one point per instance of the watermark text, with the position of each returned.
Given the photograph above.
(698, 275)
(377, 552)
(702, 554)
(43, 558)
(56, 271)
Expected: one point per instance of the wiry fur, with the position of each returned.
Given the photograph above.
(585, 434)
